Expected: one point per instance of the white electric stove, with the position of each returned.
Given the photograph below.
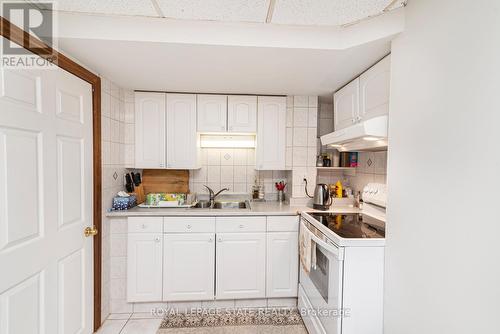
(342, 291)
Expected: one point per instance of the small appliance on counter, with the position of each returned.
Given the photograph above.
(321, 198)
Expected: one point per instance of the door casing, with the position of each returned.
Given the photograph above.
(31, 43)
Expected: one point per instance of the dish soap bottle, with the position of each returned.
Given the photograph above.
(338, 189)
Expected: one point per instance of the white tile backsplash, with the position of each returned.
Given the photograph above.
(300, 101)
(300, 117)
(300, 138)
(117, 135)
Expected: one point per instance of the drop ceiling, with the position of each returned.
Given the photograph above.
(287, 12)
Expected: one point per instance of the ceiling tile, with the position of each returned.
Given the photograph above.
(217, 10)
(326, 12)
(117, 7)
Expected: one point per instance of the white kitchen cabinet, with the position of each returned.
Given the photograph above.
(374, 86)
(240, 265)
(181, 136)
(242, 114)
(188, 266)
(282, 264)
(212, 113)
(149, 130)
(363, 98)
(346, 105)
(144, 267)
(271, 127)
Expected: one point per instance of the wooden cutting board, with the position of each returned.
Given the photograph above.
(165, 181)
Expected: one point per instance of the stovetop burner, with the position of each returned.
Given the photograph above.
(351, 225)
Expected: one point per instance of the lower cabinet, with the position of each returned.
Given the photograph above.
(241, 265)
(188, 266)
(144, 267)
(282, 264)
(207, 258)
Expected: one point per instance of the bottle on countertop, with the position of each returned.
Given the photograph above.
(338, 189)
(358, 201)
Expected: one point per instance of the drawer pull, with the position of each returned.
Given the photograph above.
(210, 240)
(220, 240)
(157, 239)
(188, 227)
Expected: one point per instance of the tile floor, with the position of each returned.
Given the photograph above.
(145, 323)
(130, 323)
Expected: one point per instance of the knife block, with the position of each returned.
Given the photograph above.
(139, 194)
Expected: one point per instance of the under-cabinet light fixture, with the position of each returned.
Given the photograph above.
(227, 141)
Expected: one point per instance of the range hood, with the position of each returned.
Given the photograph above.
(370, 135)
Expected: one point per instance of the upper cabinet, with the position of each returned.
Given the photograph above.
(374, 87)
(242, 114)
(346, 105)
(182, 148)
(212, 113)
(365, 97)
(165, 131)
(149, 130)
(271, 127)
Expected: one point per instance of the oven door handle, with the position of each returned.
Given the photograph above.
(330, 248)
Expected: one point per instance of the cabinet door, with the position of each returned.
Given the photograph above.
(212, 113)
(189, 266)
(282, 274)
(182, 143)
(270, 150)
(241, 265)
(149, 130)
(374, 86)
(346, 105)
(144, 267)
(242, 114)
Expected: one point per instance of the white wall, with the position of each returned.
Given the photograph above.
(443, 248)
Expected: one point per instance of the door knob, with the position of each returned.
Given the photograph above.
(90, 231)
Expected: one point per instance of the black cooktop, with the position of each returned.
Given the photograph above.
(351, 225)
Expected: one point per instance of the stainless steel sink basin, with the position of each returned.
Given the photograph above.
(230, 205)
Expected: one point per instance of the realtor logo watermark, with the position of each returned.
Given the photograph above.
(39, 21)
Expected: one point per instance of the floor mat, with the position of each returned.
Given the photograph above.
(262, 321)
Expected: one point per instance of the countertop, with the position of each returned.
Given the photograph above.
(256, 209)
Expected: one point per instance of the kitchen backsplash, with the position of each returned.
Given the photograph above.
(117, 140)
(372, 168)
(232, 168)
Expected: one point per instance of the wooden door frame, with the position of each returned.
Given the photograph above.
(33, 44)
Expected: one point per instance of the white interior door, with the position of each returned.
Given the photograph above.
(45, 202)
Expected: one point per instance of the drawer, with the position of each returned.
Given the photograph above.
(283, 223)
(145, 224)
(188, 224)
(241, 224)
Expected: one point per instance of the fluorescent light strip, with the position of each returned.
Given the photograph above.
(225, 141)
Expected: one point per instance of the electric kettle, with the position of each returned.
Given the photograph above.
(321, 199)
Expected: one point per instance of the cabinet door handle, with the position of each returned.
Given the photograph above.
(219, 240)
(242, 226)
(210, 240)
(143, 226)
(157, 239)
(188, 227)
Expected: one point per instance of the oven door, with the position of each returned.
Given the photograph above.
(322, 286)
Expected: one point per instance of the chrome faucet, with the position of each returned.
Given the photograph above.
(213, 195)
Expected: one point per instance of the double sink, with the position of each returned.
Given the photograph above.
(222, 205)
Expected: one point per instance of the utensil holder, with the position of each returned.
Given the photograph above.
(281, 196)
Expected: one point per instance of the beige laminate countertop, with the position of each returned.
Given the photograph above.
(256, 209)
